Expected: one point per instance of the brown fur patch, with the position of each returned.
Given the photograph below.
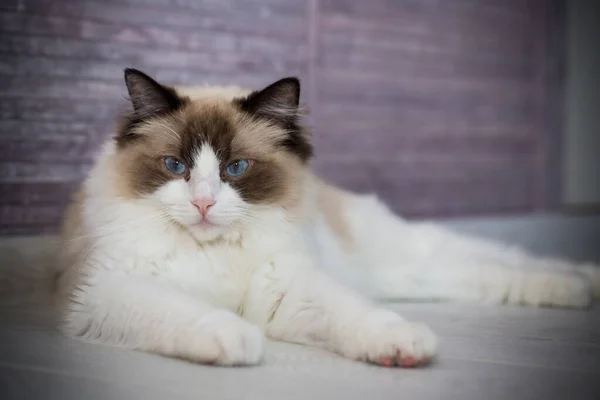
(331, 203)
(149, 99)
(141, 164)
(231, 132)
(278, 104)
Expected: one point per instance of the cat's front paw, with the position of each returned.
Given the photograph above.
(230, 340)
(390, 341)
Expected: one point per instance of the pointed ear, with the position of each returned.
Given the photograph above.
(148, 97)
(278, 101)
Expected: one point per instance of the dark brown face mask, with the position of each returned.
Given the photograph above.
(165, 125)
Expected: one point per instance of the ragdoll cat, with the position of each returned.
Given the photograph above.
(201, 228)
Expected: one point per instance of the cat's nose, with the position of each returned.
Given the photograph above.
(203, 204)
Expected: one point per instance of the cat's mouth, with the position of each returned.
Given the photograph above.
(204, 223)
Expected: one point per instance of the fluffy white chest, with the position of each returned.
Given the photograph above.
(219, 273)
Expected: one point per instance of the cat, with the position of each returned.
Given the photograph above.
(201, 229)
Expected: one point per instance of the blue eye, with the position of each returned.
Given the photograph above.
(175, 166)
(237, 168)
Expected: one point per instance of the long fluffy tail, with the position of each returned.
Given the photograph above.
(28, 269)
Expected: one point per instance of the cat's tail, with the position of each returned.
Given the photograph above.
(28, 269)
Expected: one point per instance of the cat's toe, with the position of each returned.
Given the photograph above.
(236, 341)
(592, 273)
(558, 290)
(395, 342)
(546, 288)
(576, 292)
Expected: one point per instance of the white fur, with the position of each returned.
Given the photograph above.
(415, 260)
(154, 279)
(177, 196)
(206, 293)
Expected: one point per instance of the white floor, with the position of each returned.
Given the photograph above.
(486, 353)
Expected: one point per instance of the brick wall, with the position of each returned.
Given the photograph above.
(443, 107)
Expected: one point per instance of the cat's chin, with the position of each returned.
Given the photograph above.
(205, 224)
(206, 231)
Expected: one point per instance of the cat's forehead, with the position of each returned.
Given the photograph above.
(206, 163)
(207, 124)
(218, 124)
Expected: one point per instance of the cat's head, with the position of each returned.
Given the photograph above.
(210, 163)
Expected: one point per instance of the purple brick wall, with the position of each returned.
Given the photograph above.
(443, 107)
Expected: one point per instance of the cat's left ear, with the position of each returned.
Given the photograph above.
(277, 102)
(148, 97)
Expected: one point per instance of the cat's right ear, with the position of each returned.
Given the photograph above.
(148, 97)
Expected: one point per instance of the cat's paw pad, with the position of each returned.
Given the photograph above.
(391, 341)
(232, 340)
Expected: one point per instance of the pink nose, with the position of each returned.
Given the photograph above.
(203, 204)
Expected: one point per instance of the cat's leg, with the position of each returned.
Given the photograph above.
(425, 261)
(306, 306)
(152, 315)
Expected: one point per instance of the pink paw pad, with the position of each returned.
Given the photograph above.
(408, 362)
(386, 362)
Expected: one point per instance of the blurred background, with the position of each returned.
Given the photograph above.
(445, 108)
